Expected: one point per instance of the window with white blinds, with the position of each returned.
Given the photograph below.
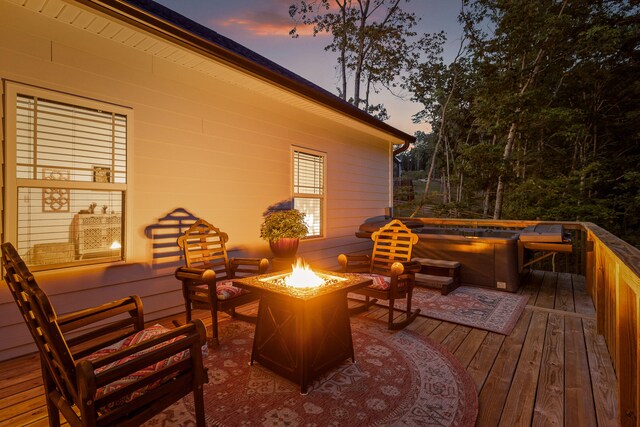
(308, 188)
(70, 167)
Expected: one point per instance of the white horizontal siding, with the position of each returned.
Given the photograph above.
(217, 149)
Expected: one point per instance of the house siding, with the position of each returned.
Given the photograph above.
(218, 150)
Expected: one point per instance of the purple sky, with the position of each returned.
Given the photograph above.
(263, 26)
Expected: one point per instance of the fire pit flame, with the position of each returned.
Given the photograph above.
(303, 277)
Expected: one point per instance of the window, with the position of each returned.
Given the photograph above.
(66, 178)
(308, 188)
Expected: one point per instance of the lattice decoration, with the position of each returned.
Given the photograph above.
(55, 199)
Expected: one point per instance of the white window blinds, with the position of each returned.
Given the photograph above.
(308, 188)
(56, 140)
(71, 175)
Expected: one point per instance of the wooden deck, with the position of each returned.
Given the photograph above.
(552, 370)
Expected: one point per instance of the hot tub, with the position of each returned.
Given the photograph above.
(489, 258)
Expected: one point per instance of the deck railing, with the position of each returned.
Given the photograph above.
(611, 267)
(613, 280)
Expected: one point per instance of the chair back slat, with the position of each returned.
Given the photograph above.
(393, 242)
(41, 319)
(204, 246)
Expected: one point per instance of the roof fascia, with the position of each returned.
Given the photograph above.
(149, 22)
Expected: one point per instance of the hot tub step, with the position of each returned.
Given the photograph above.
(437, 263)
(444, 283)
(438, 273)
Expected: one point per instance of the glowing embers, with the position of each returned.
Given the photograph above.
(302, 279)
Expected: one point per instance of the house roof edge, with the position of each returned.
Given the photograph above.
(168, 24)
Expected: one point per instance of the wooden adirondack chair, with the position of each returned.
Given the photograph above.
(207, 276)
(391, 269)
(111, 371)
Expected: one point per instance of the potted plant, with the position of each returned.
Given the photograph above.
(283, 230)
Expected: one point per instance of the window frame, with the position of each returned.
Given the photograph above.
(11, 183)
(322, 197)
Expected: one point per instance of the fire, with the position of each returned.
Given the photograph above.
(303, 277)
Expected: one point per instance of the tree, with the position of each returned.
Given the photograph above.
(372, 39)
(555, 89)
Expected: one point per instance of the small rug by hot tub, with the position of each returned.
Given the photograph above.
(487, 309)
(399, 378)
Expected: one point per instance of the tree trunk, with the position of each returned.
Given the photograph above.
(441, 130)
(343, 50)
(505, 157)
(485, 203)
(497, 212)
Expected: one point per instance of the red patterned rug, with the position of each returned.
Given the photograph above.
(486, 309)
(399, 378)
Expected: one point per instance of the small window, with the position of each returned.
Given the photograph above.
(308, 188)
(66, 178)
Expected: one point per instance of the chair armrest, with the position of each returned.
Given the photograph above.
(248, 265)
(354, 263)
(191, 336)
(412, 266)
(404, 267)
(198, 275)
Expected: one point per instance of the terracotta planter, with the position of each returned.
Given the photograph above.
(284, 248)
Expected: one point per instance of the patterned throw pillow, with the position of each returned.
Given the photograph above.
(380, 282)
(226, 290)
(138, 337)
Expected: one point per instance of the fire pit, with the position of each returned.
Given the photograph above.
(303, 327)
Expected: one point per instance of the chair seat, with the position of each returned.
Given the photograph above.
(380, 282)
(138, 337)
(225, 290)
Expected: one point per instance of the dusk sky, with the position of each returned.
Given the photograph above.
(263, 26)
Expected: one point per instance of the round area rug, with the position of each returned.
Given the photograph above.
(399, 379)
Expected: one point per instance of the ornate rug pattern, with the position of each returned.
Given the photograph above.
(487, 309)
(399, 378)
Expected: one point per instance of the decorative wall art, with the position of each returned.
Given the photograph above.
(55, 199)
(101, 174)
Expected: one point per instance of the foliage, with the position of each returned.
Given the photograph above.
(283, 224)
(545, 112)
(373, 39)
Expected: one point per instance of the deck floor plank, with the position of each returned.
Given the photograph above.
(550, 397)
(484, 358)
(496, 388)
(547, 295)
(443, 330)
(583, 302)
(552, 370)
(469, 347)
(520, 401)
(564, 293)
(602, 376)
(532, 281)
(578, 404)
(456, 338)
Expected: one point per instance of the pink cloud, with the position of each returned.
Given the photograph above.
(271, 20)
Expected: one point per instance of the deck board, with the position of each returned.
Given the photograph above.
(522, 393)
(552, 370)
(548, 410)
(496, 388)
(578, 404)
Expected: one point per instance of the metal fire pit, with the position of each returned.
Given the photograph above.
(302, 332)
